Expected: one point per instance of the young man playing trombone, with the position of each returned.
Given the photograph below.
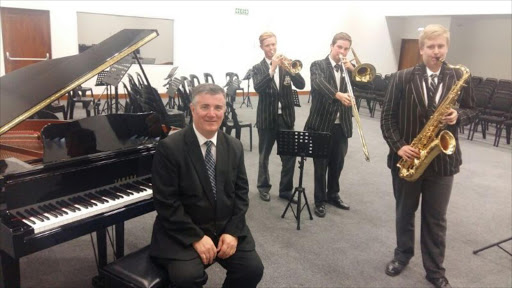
(331, 112)
(275, 112)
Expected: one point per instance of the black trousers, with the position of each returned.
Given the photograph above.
(435, 194)
(244, 269)
(267, 138)
(329, 188)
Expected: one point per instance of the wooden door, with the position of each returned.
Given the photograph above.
(26, 36)
(409, 54)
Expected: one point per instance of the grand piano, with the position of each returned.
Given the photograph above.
(60, 180)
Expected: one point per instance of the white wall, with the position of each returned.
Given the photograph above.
(210, 37)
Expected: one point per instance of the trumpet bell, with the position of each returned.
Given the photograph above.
(295, 66)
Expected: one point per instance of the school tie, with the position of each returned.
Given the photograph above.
(431, 105)
(337, 67)
(210, 166)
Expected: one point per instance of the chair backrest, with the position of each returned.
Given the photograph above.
(230, 76)
(476, 80)
(379, 84)
(501, 102)
(207, 77)
(193, 80)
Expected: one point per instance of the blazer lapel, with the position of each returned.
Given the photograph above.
(196, 156)
(220, 170)
(447, 78)
(330, 73)
(417, 87)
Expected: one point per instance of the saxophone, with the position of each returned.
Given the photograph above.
(428, 142)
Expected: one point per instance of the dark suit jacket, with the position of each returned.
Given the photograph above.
(405, 113)
(325, 106)
(186, 209)
(269, 95)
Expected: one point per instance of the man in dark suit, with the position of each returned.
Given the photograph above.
(331, 112)
(201, 206)
(408, 104)
(276, 111)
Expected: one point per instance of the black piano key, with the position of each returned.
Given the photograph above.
(31, 214)
(46, 210)
(143, 184)
(132, 187)
(71, 206)
(107, 194)
(78, 202)
(57, 209)
(103, 198)
(94, 197)
(23, 217)
(64, 205)
(39, 213)
(114, 194)
(53, 209)
(120, 190)
(87, 201)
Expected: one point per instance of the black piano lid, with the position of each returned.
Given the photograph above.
(25, 91)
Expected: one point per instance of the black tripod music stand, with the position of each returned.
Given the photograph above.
(302, 144)
(114, 76)
(246, 99)
(495, 244)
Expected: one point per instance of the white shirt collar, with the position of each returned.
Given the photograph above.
(332, 61)
(429, 72)
(203, 139)
(268, 61)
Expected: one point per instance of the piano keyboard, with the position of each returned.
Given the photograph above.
(48, 215)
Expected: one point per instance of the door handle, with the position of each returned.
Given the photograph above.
(27, 59)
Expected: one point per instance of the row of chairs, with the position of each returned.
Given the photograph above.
(494, 104)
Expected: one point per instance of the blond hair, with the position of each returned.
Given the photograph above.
(265, 35)
(434, 31)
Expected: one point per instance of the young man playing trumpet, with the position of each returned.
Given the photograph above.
(275, 112)
(331, 112)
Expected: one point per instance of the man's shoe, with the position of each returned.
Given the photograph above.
(440, 282)
(288, 196)
(320, 210)
(265, 196)
(395, 267)
(339, 203)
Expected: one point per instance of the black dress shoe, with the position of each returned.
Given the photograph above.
(395, 267)
(265, 196)
(287, 198)
(339, 203)
(320, 210)
(440, 282)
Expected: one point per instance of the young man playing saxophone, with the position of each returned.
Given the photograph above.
(412, 97)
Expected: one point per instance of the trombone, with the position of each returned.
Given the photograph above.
(355, 113)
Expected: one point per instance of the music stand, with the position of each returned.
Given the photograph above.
(115, 75)
(302, 144)
(247, 77)
(172, 86)
(495, 244)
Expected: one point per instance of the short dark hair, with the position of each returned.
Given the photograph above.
(341, 36)
(208, 88)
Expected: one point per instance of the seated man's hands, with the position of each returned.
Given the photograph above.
(227, 246)
(206, 249)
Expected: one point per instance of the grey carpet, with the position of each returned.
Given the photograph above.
(346, 248)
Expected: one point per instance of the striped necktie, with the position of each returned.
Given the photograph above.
(431, 105)
(210, 166)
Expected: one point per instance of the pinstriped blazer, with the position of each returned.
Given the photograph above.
(269, 95)
(405, 113)
(325, 107)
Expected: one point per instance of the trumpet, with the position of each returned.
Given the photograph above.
(292, 66)
(355, 113)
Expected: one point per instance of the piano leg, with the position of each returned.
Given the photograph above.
(101, 239)
(10, 273)
(119, 240)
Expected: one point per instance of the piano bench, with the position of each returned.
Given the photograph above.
(135, 270)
